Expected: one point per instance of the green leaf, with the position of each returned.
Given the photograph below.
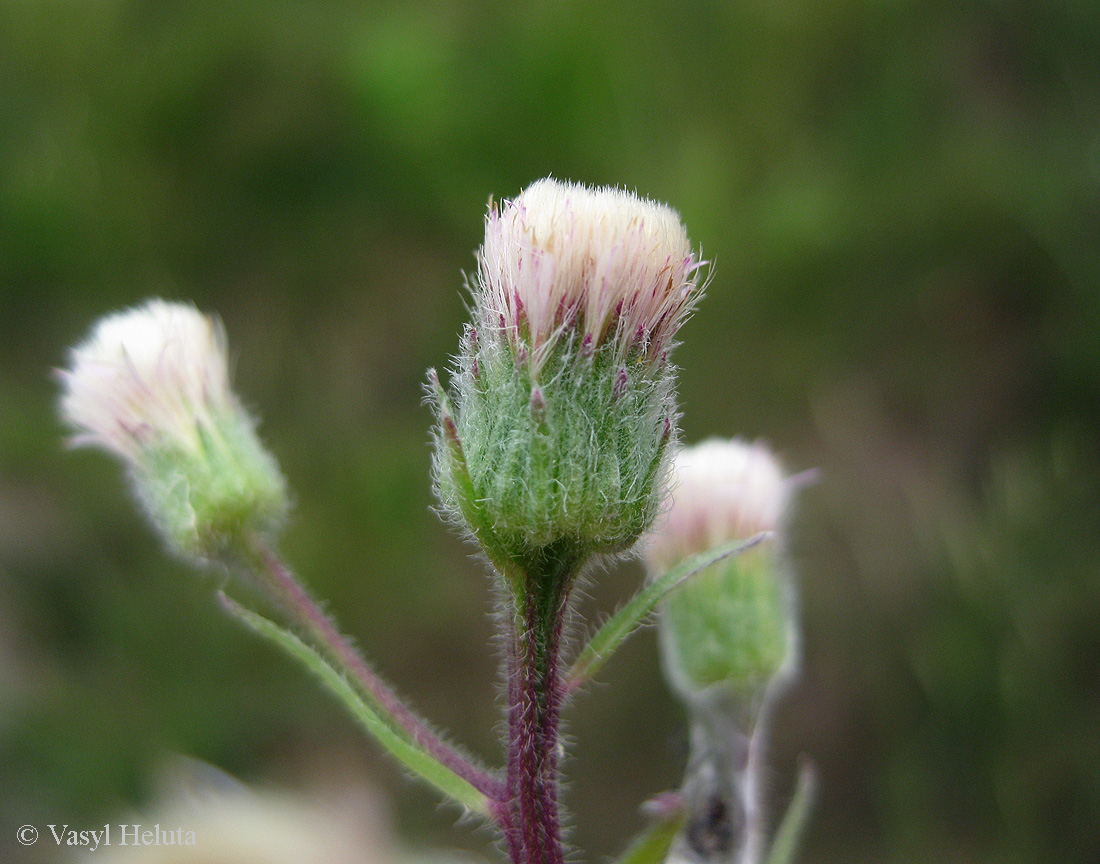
(794, 821)
(405, 751)
(652, 844)
(631, 615)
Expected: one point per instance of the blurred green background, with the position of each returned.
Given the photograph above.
(903, 203)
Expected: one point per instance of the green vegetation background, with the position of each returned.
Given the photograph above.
(903, 203)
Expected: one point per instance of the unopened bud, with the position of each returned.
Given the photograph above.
(729, 625)
(151, 385)
(562, 403)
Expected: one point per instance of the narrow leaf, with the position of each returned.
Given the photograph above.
(405, 751)
(652, 844)
(631, 615)
(794, 821)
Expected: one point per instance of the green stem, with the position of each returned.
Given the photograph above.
(398, 745)
(298, 603)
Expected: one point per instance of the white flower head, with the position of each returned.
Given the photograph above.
(722, 490)
(154, 371)
(151, 385)
(603, 260)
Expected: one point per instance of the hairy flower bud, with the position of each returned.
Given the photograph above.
(562, 407)
(151, 385)
(729, 624)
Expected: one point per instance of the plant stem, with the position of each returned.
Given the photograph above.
(535, 696)
(755, 833)
(754, 807)
(534, 733)
(304, 609)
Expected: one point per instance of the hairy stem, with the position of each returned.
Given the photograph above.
(304, 610)
(535, 695)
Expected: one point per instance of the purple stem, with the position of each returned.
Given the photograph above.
(535, 694)
(305, 609)
(513, 833)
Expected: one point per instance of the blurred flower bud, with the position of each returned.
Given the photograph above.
(151, 385)
(730, 624)
(562, 405)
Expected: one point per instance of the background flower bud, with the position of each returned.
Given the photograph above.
(151, 385)
(730, 624)
(562, 405)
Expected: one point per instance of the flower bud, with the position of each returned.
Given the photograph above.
(151, 386)
(730, 624)
(562, 406)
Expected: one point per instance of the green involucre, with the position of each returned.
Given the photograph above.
(728, 624)
(631, 615)
(206, 501)
(573, 452)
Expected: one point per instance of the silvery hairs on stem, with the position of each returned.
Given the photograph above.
(561, 408)
(151, 385)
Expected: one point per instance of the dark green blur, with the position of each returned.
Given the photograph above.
(902, 201)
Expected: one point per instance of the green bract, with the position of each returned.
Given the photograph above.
(210, 501)
(728, 625)
(572, 454)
